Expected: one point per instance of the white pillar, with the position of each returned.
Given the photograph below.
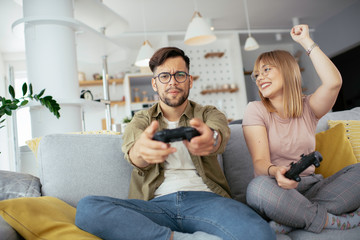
(52, 64)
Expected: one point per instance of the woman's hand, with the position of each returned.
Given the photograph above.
(283, 181)
(300, 34)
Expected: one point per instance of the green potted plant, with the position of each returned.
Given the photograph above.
(10, 105)
(126, 120)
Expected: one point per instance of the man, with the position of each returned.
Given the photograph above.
(177, 190)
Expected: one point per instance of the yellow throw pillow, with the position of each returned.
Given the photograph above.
(44, 218)
(335, 149)
(352, 131)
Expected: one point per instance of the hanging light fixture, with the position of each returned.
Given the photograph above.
(250, 43)
(144, 55)
(199, 31)
(146, 51)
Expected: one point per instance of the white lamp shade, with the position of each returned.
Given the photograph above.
(144, 55)
(251, 44)
(198, 32)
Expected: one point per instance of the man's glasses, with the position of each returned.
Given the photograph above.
(165, 77)
(265, 70)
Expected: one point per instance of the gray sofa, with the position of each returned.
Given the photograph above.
(73, 166)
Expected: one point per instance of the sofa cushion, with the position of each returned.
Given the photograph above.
(42, 218)
(7, 232)
(14, 185)
(237, 163)
(335, 149)
(73, 166)
(353, 114)
(352, 131)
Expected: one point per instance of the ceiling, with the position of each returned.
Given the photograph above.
(173, 17)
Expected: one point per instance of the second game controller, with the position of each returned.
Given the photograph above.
(177, 134)
(305, 161)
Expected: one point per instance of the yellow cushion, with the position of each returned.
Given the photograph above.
(352, 128)
(42, 218)
(335, 149)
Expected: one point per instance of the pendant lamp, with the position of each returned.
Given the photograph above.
(250, 43)
(198, 31)
(146, 51)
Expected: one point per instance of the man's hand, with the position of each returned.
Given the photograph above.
(204, 144)
(147, 151)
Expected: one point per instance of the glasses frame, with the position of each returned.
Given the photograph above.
(172, 75)
(263, 72)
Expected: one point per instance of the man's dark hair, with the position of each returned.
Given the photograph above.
(161, 55)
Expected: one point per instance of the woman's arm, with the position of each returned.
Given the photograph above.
(257, 142)
(323, 99)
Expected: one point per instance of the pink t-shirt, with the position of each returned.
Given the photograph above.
(288, 138)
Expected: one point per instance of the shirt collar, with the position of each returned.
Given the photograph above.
(156, 111)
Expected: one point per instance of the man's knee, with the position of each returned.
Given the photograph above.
(85, 211)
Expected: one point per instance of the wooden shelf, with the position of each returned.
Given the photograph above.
(231, 90)
(100, 82)
(144, 102)
(120, 103)
(214, 54)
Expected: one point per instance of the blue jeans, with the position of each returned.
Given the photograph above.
(188, 212)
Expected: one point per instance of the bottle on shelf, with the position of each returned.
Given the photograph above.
(136, 95)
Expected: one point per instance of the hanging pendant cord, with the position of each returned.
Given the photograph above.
(247, 17)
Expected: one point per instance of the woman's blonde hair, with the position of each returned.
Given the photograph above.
(290, 70)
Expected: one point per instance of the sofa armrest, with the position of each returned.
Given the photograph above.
(15, 185)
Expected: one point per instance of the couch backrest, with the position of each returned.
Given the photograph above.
(237, 163)
(352, 114)
(72, 166)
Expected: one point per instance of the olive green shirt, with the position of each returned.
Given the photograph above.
(144, 181)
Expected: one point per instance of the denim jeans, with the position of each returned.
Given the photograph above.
(188, 212)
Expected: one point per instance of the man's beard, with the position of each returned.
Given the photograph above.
(169, 102)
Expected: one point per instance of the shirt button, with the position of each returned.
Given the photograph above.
(141, 173)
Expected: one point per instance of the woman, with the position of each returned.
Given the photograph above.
(281, 127)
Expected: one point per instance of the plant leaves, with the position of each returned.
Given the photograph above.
(31, 89)
(24, 88)
(7, 111)
(23, 103)
(41, 93)
(13, 106)
(12, 91)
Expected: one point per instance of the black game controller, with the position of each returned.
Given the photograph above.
(177, 134)
(305, 161)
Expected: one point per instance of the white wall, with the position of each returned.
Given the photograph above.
(17, 61)
(4, 139)
(340, 32)
(215, 72)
